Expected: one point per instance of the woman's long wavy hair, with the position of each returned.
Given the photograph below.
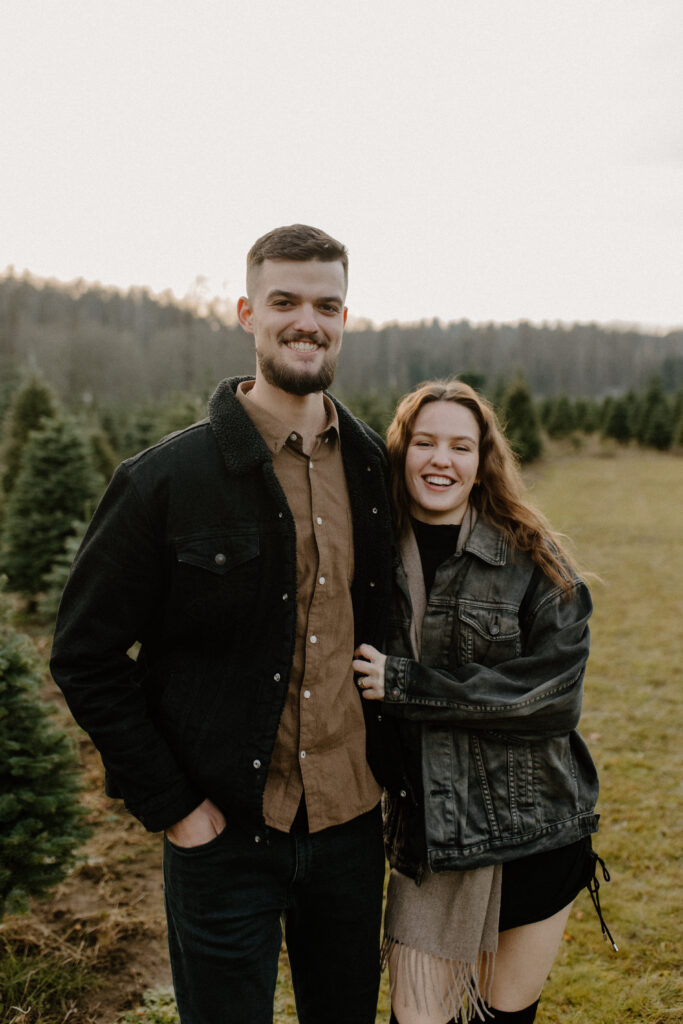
(498, 495)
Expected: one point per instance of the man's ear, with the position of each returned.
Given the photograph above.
(346, 313)
(245, 314)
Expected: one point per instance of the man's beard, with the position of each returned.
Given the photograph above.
(297, 382)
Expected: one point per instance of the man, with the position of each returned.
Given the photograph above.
(248, 555)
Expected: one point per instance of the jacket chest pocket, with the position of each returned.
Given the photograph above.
(486, 633)
(217, 574)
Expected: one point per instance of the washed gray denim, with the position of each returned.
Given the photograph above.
(486, 719)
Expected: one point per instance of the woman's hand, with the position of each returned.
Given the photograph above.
(369, 665)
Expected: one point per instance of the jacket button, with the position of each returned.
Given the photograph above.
(374, 511)
(257, 839)
(395, 693)
(257, 763)
(220, 558)
(285, 596)
(403, 794)
(372, 583)
(495, 629)
(369, 469)
(277, 677)
(280, 515)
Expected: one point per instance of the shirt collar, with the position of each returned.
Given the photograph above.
(274, 431)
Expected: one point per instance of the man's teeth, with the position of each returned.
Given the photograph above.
(302, 346)
(441, 481)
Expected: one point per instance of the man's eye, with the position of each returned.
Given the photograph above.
(329, 309)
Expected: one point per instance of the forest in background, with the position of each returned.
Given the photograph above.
(104, 345)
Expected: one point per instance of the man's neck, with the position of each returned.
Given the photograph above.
(304, 413)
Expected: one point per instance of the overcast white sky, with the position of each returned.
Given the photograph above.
(489, 159)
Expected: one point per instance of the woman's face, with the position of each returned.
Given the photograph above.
(442, 462)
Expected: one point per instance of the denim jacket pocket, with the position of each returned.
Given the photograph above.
(487, 633)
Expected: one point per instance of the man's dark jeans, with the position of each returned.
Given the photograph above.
(224, 905)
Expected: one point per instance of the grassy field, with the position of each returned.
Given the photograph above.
(622, 511)
(621, 508)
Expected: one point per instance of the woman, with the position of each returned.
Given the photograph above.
(488, 646)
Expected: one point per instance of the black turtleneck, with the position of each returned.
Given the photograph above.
(436, 544)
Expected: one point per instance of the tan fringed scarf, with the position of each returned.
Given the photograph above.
(441, 937)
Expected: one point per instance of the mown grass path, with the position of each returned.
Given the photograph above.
(624, 517)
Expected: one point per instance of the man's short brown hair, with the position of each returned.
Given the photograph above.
(297, 242)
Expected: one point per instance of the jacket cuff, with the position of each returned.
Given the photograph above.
(395, 680)
(170, 808)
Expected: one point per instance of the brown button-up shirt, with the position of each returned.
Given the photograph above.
(319, 749)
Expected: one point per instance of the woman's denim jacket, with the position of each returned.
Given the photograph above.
(485, 699)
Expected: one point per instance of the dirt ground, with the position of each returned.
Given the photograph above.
(108, 914)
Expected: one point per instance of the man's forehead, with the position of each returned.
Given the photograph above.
(295, 275)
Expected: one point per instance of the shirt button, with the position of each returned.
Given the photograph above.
(257, 763)
(220, 558)
(303, 753)
(276, 677)
(319, 520)
(292, 437)
(314, 639)
(310, 464)
(307, 694)
(321, 580)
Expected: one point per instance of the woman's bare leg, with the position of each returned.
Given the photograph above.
(524, 959)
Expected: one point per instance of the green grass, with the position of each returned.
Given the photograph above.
(39, 986)
(623, 515)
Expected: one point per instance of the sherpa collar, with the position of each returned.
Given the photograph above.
(242, 446)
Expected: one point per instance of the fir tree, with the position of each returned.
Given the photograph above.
(618, 424)
(31, 404)
(56, 485)
(520, 420)
(561, 421)
(42, 823)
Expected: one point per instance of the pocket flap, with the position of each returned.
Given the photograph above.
(218, 553)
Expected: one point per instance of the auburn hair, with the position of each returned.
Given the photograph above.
(499, 493)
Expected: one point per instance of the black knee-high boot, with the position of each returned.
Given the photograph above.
(525, 1016)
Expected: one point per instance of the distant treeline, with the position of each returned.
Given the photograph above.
(95, 343)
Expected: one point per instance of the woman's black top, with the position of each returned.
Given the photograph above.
(538, 886)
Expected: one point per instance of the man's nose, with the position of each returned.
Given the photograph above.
(306, 320)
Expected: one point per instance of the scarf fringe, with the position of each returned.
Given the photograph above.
(460, 989)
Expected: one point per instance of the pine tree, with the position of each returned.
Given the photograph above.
(56, 486)
(561, 421)
(655, 428)
(42, 823)
(618, 423)
(31, 404)
(520, 420)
